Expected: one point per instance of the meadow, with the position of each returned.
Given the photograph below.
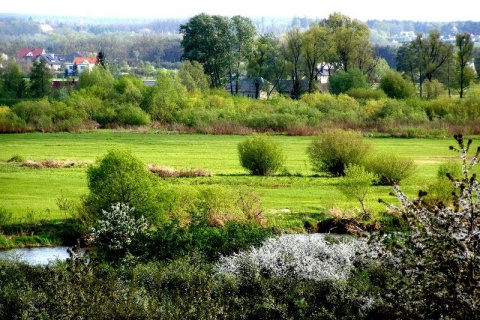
(288, 198)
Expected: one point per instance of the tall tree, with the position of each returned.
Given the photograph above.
(315, 49)
(293, 54)
(268, 62)
(243, 36)
(12, 84)
(40, 79)
(208, 40)
(465, 74)
(349, 37)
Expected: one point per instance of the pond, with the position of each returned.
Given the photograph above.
(37, 256)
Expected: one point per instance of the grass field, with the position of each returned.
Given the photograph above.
(31, 194)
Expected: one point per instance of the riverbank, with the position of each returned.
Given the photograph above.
(41, 234)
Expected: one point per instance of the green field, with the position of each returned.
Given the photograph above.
(31, 194)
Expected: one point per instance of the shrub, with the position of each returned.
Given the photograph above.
(117, 228)
(441, 190)
(389, 168)
(356, 183)
(395, 86)
(333, 150)
(120, 177)
(342, 81)
(260, 155)
(438, 259)
(366, 94)
(307, 257)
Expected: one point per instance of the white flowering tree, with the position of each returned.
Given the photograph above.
(303, 257)
(117, 228)
(438, 259)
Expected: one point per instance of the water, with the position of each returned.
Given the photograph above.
(37, 256)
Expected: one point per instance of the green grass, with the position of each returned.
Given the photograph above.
(31, 194)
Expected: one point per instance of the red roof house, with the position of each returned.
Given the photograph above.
(30, 53)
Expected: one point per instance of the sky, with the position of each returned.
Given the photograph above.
(415, 10)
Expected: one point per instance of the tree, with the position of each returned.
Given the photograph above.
(407, 61)
(193, 77)
(208, 40)
(356, 184)
(267, 61)
(424, 56)
(293, 54)
(438, 258)
(315, 49)
(40, 79)
(350, 41)
(119, 177)
(12, 84)
(165, 98)
(465, 74)
(243, 34)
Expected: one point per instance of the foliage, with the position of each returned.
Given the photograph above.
(12, 84)
(393, 84)
(343, 81)
(117, 229)
(40, 80)
(295, 257)
(208, 40)
(192, 76)
(260, 155)
(389, 168)
(356, 184)
(333, 150)
(438, 260)
(119, 177)
(366, 94)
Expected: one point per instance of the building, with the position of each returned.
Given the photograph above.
(29, 54)
(79, 64)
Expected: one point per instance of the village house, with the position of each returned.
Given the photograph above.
(29, 54)
(79, 64)
(51, 61)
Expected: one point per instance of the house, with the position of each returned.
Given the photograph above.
(249, 87)
(29, 54)
(51, 60)
(79, 64)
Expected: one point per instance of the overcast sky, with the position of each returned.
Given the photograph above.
(416, 10)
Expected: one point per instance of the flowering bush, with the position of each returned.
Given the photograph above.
(438, 259)
(307, 257)
(116, 229)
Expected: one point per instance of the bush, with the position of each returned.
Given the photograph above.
(119, 177)
(342, 81)
(438, 258)
(356, 183)
(333, 150)
(117, 229)
(395, 86)
(366, 94)
(260, 155)
(389, 168)
(307, 257)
